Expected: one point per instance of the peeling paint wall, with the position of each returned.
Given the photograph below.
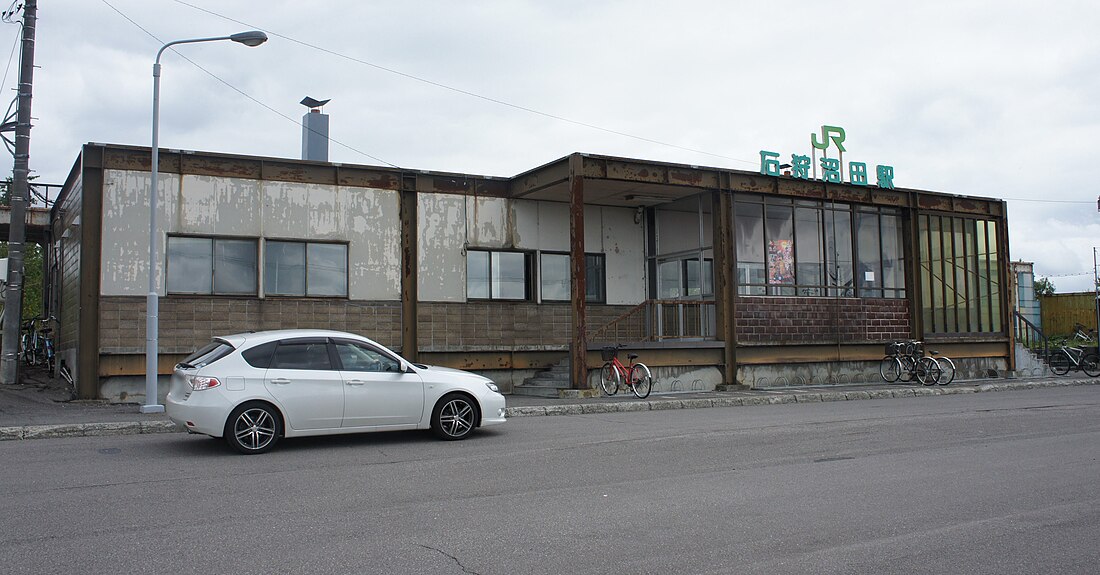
(367, 219)
(448, 223)
(441, 234)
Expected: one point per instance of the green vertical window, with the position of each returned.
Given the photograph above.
(959, 274)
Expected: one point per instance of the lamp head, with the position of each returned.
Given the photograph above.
(251, 38)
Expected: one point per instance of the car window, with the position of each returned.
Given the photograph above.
(356, 357)
(260, 356)
(210, 353)
(309, 355)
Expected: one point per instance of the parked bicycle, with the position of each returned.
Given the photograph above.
(905, 361)
(947, 367)
(613, 373)
(1065, 358)
(36, 343)
(1079, 333)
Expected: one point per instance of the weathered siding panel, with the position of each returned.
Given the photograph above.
(442, 235)
(367, 219)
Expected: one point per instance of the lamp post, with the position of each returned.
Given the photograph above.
(251, 38)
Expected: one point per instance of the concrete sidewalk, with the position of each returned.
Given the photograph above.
(41, 407)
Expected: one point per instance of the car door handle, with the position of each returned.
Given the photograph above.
(280, 381)
(356, 382)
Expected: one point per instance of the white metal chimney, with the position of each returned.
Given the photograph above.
(314, 131)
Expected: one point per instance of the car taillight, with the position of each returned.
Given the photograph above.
(199, 383)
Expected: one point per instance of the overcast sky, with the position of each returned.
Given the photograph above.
(984, 98)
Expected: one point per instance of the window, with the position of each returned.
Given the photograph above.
(869, 244)
(212, 352)
(959, 275)
(554, 277)
(838, 250)
(779, 227)
(260, 356)
(498, 275)
(311, 355)
(809, 255)
(305, 269)
(749, 229)
(211, 266)
(358, 357)
(679, 278)
(816, 249)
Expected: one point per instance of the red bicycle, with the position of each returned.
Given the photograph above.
(613, 373)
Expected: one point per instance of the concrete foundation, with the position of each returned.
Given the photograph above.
(849, 372)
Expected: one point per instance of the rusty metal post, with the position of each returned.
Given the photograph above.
(724, 296)
(409, 266)
(1004, 263)
(578, 344)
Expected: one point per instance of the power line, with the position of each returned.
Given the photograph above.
(461, 91)
(238, 90)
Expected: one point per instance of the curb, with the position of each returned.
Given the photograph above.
(147, 427)
(87, 429)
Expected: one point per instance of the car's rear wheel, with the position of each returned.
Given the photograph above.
(455, 417)
(253, 428)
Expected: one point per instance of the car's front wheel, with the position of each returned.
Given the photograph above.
(454, 417)
(253, 428)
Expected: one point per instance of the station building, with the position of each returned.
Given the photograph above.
(715, 277)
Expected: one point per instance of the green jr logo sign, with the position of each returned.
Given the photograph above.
(803, 168)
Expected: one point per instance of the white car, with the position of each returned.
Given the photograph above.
(254, 388)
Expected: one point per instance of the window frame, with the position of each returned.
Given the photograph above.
(589, 297)
(306, 269)
(213, 261)
(834, 264)
(528, 275)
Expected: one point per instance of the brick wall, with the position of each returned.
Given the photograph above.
(788, 320)
(490, 326)
(189, 322)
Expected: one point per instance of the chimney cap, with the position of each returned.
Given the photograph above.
(312, 103)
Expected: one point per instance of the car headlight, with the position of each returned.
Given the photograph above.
(492, 386)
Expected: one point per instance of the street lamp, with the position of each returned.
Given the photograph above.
(250, 38)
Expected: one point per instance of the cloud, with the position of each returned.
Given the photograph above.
(976, 98)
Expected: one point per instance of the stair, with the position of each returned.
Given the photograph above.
(1028, 364)
(550, 382)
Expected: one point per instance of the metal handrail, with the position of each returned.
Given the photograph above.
(1031, 335)
(663, 319)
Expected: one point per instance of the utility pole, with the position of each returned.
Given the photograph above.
(20, 197)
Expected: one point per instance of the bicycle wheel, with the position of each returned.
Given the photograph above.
(947, 370)
(609, 379)
(890, 369)
(1059, 363)
(26, 349)
(1091, 365)
(928, 371)
(641, 380)
(908, 368)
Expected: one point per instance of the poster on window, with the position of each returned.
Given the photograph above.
(781, 262)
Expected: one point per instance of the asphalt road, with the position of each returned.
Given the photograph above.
(977, 483)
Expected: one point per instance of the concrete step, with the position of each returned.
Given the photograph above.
(549, 378)
(537, 390)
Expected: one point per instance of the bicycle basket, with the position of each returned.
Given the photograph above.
(609, 353)
(892, 348)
